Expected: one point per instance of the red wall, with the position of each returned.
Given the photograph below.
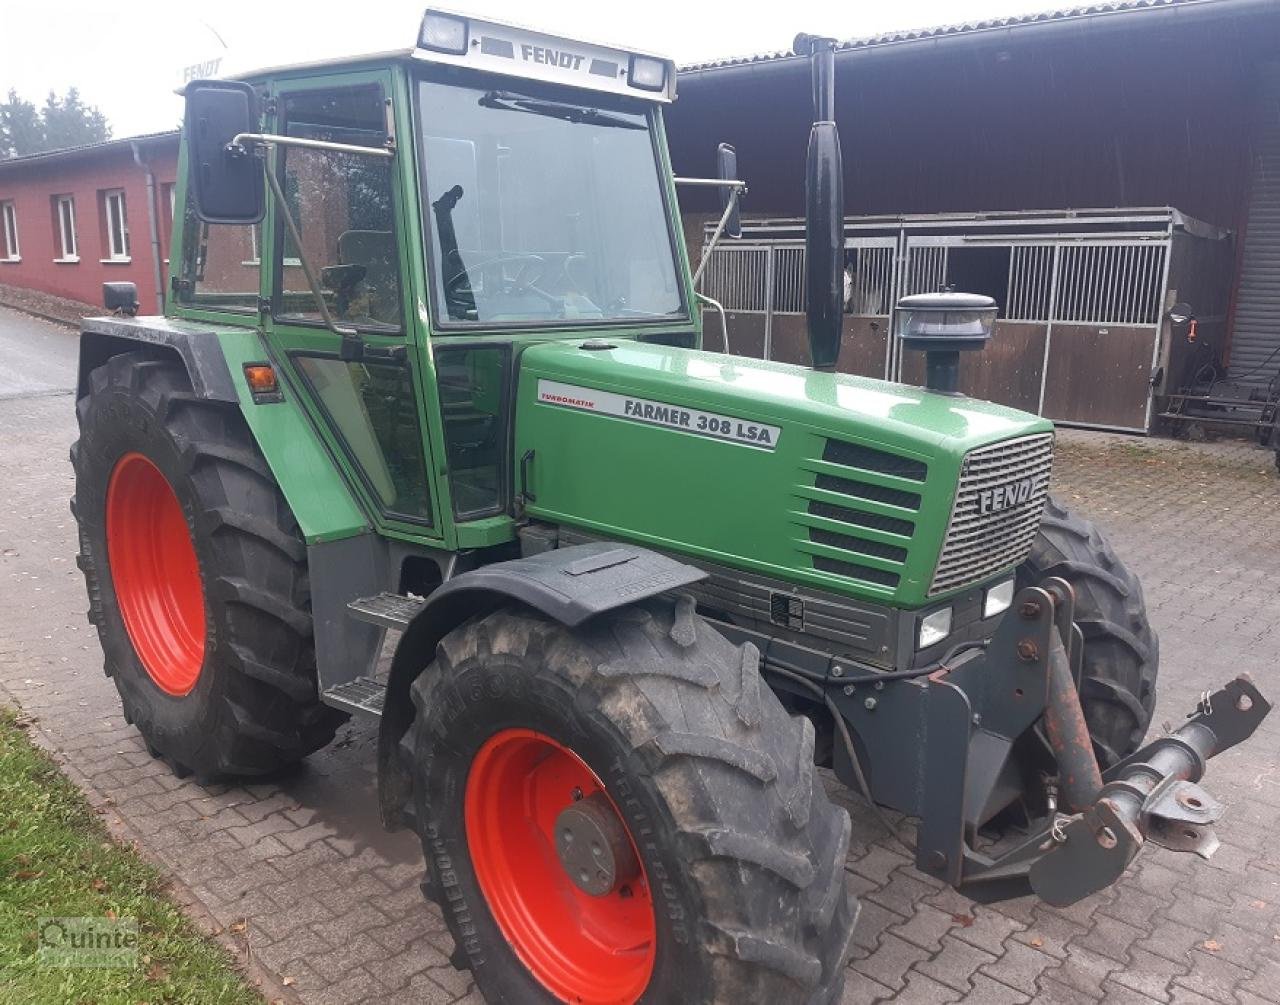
(33, 185)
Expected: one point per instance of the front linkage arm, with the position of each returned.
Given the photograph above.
(972, 718)
(1150, 795)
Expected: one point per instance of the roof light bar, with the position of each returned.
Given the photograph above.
(443, 33)
(647, 73)
(456, 39)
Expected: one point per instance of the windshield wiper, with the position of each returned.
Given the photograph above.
(556, 110)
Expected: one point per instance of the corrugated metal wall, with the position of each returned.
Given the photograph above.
(1257, 316)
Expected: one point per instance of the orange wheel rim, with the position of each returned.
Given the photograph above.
(155, 574)
(592, 950)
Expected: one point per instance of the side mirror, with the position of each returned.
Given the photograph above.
(120, 298)
(727, 170)
(227, 183)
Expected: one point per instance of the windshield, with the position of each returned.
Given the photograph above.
(544, 210)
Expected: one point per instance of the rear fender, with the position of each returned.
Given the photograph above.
(198, 351)
(214, 359)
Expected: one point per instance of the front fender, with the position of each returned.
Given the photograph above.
(570, 585)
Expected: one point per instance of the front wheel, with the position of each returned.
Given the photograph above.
(1121, 651)
(623, 813)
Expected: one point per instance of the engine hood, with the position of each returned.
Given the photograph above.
(752, 464)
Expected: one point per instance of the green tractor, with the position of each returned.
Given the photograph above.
(430, 365)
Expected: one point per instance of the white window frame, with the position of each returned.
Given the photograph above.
(9, 225)
(113, 203)
(67, 244)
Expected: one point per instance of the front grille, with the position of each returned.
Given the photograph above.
(858, 480)
(868, 491)
(995, 517)
(856, 455)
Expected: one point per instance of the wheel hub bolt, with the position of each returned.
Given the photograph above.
(593, 847)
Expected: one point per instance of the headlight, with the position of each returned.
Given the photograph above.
(647, 74)
(997, 599)
(934, 628)
(443, 33)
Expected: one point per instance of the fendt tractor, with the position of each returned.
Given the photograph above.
(430, 365)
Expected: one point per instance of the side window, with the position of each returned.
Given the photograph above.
(472, 384)
(371, 407)
(343, 208)
(220, 266)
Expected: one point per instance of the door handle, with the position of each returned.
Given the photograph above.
(525, 492)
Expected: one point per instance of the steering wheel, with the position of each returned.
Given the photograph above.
(519, 284)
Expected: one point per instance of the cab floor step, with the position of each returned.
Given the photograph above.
(364, 694)
(389, 610)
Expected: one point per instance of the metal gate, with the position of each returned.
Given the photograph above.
(1081, 295)
(1255, 340)
(1079, 326)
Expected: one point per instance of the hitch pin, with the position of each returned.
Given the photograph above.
(1051, 804)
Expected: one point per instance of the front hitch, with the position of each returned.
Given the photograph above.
(975, 715)
(1151, 795)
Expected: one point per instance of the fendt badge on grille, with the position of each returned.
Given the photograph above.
(1002, 497)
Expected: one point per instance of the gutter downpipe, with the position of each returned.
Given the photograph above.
(151, 224)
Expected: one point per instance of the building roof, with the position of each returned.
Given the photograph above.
(68, 153)
(1087, 12)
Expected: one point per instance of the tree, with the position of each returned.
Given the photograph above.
(21, 130)
(61, 123)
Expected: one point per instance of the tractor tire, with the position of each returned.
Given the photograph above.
(727, 884)
(196, 573)
(1121, 651)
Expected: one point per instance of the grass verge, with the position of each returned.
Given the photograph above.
(58, 861)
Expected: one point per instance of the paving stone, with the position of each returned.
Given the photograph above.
(926, 927)
(988, 930)
(1019, 966)
(1149, 974)
(955, 964)
(922, 990)
(1213, 977)
(891, 960)
(1110, 938)
(873, 922)
(987, 991)
(1082, 971)
(1050, 933)
(859, 989)
(901, 893)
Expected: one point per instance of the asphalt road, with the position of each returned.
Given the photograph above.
(300, 873)
(36, 358)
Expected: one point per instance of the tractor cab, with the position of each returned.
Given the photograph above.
(423, 215)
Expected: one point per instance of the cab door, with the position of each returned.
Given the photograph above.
(349, 212)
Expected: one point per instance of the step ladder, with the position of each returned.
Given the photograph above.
(392, 611)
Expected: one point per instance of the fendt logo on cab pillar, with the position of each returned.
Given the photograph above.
(1002, 497)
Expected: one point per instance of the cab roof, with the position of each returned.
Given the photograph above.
(457, 39)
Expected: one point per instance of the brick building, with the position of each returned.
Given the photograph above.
(71, 220)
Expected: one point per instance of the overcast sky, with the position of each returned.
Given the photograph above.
(127, 57)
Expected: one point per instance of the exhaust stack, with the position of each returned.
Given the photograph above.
(824, 209)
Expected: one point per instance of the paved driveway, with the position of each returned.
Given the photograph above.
(300, 871)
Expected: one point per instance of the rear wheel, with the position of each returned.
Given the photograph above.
(196, 574)
(623, 813)
(1121, 651)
